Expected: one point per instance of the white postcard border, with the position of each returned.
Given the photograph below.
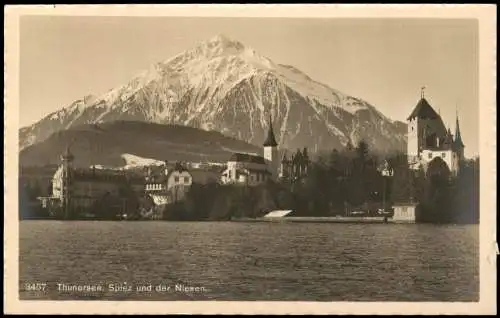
(486, 15)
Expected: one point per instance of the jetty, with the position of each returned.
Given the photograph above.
(282, 216)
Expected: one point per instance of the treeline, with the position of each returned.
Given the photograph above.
(337, 183)
(215, 202)
(443, 198)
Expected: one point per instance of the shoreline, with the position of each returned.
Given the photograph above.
(297, 219)
(312, 219)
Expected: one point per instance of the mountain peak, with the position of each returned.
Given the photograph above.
(220, 44)
(224, 40)
(221, 84)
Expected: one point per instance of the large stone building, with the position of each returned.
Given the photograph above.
(429, 141)
(431, 147)
(79, 192)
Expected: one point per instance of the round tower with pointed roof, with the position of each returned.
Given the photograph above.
(271, 150)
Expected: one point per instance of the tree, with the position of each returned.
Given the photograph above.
(349, 146)
(465, 187)
(49, 187)
(401, 183)
(362, 151)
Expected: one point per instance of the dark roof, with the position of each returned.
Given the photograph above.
(161, 177)
(448, 140)
(107, 176)
(244, 157)
(423, 110)
(270, 140)
(405, 203)
(96, 175)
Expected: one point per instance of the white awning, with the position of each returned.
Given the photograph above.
(277, 213)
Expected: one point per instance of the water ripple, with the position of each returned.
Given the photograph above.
(252, 261)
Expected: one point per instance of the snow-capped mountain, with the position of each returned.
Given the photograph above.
(225, 86)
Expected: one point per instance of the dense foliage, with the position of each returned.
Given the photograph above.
(336, 183)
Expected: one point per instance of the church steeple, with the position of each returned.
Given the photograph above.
(67, 156)
(271, 151)
(458, 136)
(270, 140)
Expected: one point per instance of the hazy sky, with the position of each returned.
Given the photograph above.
(383, 61)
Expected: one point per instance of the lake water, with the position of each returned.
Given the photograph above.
(250, 261)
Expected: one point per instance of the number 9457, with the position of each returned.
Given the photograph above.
(35, 286)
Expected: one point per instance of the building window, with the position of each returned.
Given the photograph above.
(443, 155)
(186, 179)
(430, 155)
(176, 179)
(229, 174)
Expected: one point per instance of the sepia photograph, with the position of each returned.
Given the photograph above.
(281, 159)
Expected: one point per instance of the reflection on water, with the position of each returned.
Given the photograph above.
(250, 261)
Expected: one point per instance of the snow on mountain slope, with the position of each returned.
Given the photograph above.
(133, 161)
(225, 86)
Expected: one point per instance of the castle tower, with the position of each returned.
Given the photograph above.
(425, 131)
(271, 150)
(67, 166)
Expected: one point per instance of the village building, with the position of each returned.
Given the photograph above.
(171, 184)
(252, 170)
(246, 169)
(406, 212)
(429, 140)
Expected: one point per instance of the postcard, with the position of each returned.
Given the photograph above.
(250, 159)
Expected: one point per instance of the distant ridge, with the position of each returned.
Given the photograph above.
(110, 143)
